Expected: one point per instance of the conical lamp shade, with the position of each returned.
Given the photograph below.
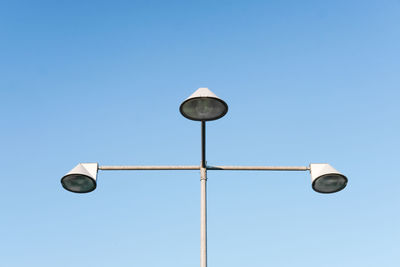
(326, 179)
(203, 105)
(81, 179)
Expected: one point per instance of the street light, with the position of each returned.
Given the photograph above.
(81, 179)
(325, 179)
(203, 105)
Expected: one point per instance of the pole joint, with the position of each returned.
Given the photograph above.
(203, 173)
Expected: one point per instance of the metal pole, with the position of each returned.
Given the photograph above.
(258, 168)
(203, 144)
(212, 168)
(203, 218)
(147, 168)
(203, 183)
(203, 199)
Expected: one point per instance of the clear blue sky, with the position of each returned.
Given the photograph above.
(102, 81)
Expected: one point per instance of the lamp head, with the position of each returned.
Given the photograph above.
(325, 179)
(81, 179)
(203, 105)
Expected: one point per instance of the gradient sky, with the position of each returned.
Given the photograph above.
(102, 81)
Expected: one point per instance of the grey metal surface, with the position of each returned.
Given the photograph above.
(203, 217)
(154, 168)
(258, 168)
(212, 168)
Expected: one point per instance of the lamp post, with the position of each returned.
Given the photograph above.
(203, 105)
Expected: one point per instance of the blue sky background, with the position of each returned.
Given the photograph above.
(102, 81)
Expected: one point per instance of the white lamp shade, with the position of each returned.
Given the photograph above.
(326, 179)
(203, 105)
(81, 179)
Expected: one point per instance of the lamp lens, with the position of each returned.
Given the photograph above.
(330, 183)
(204, 108)
(78, 183)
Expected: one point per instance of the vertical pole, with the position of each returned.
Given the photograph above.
(203, 144)
(203, 199)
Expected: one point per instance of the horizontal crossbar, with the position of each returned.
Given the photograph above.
(214, 168)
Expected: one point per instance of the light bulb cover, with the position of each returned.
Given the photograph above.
(325, 179)
(203, 105)
(81, 179)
